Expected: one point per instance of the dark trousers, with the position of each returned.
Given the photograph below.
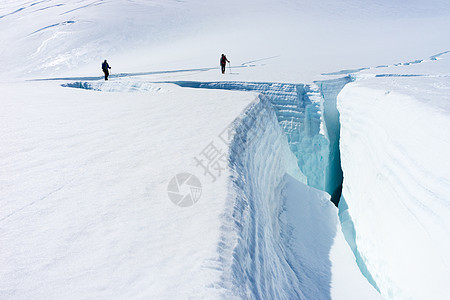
(106, 74)
(223, 68)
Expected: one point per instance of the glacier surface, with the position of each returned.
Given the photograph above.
(85, 164)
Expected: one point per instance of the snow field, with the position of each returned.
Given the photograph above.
(85, 210)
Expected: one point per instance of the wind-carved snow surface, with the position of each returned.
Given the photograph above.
(259, 160)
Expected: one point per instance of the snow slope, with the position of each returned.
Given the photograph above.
(394, 145)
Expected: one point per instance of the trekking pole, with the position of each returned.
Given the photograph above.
(229, 66)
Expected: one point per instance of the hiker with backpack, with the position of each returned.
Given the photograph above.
(105, 68)
(223, 62)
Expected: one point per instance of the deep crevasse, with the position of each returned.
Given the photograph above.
(282, 238)
(298, 109)
(265, 183)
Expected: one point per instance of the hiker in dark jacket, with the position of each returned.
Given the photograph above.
(105, 68)
(223, 62)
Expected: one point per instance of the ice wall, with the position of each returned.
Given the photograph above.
(282, 229)
(260, 158)
(394, 148)
(281, 238)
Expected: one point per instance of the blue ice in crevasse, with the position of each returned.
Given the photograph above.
(299, 110)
